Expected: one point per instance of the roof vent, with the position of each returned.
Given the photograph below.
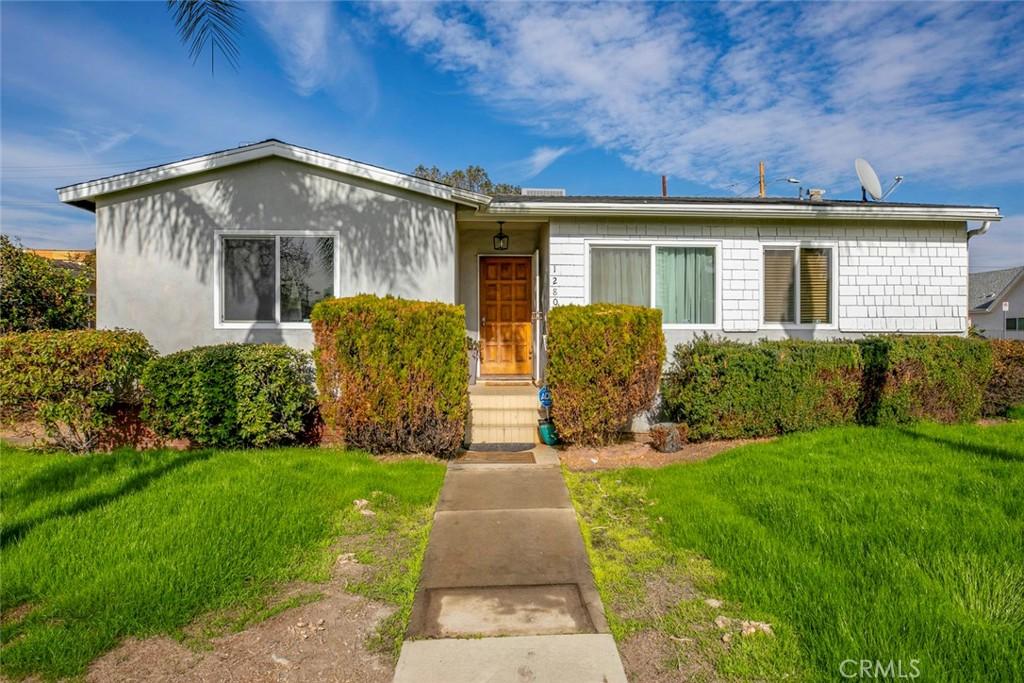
(815, 194)
(542, 192)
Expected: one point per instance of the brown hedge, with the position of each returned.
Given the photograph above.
(604, 362)
(1006, 388)
(392, 374)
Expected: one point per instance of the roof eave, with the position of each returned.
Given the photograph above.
(87, 192)
(727, 210)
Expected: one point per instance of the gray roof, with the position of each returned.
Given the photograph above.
(657, 199)
(984, 288)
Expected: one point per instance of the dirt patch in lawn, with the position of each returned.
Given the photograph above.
(640, 454)
(655, 657)
(322, 640)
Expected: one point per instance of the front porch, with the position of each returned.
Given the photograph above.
(505, 296)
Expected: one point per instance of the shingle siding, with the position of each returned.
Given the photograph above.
(890, 278)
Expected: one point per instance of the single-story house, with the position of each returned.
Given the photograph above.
(238, 245)
(996, 303)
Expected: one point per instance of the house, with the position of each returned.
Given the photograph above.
(996, 303)
(239, 244)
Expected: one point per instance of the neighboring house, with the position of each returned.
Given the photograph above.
(70, 259)
(989, 292)
(238, 245)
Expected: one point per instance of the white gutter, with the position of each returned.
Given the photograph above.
(741, 210)
(981, 230)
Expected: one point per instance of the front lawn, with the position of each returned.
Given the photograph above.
(902, 545)
(100, 547)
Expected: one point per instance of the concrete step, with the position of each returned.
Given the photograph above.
(506, 401)
(496, 434)
(577, 658)
(503, 417)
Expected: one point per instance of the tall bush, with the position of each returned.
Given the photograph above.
(604, 362)
(926, 377)
(725, 390)
(38, 294)
(231, 395)
(392, 373)
(1005, 389)
(73, 382)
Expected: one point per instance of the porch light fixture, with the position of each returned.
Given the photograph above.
(501, 239)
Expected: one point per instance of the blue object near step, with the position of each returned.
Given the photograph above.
(544, 396)
(548, 434)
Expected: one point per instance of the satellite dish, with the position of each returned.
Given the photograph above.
(869, 183)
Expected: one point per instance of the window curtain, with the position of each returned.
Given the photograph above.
(779, 285)
(815, 286)
(686, 284)
(620, 276)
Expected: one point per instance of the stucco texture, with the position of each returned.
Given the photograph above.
(156, 245)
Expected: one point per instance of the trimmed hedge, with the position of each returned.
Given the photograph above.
(1006, 387)
(604, 362)
(926, 377)
(728, 390)
(392, 373)
(231, 395)
(73, 382)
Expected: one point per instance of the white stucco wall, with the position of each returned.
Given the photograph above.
(889, 277)
(155, 246)
(992, 324)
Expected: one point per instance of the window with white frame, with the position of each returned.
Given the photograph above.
(797, 286)
(678, 279)
(274, 278)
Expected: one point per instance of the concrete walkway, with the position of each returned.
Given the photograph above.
(506, 592)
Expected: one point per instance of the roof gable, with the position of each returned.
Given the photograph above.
(84, 194)
(985, 289)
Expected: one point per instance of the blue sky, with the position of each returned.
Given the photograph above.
(599, 99)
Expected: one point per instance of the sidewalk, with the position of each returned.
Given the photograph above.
(506, 592)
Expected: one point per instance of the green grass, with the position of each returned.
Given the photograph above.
(854, 543)
(101, 547)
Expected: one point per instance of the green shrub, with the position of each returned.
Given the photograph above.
(392, 373)
(38, 294)
(231, 395)
(1005, 389)
(926, 377)
(604, 362)
(73, 382)
(727, 390)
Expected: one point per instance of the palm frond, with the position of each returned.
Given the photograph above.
(212, 23)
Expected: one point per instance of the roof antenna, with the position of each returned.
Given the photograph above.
(664, 186)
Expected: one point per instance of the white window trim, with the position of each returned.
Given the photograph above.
(218, 277)
(833, 285)
(652, 244)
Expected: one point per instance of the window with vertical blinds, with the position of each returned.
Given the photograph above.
(779, 286)
(815, 286)
(798, 285)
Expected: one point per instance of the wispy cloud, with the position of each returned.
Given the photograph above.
(702, 92)
(316, 51)
(539, 159)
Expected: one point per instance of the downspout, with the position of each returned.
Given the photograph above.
(981, 230)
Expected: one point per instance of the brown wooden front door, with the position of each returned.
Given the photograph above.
(505, 311)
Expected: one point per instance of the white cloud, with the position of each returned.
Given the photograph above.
(933, 92)
(317, 52)
(539, 159)
(1001, 247)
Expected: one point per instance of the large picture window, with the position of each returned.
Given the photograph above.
(798, 285)
(683, 285)
(274, 278)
